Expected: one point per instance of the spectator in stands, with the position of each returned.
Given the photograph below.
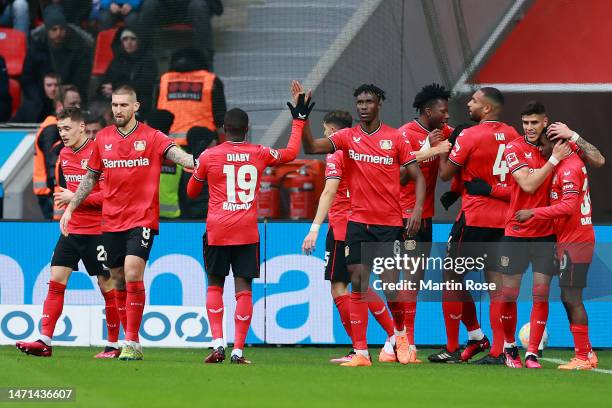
(37, 109)
(192, 93)
(112, 11)
(132, 65)
(93, 124)
(16, 14)
(5, 95)
(60, 50)
(47, 146)
(198, 140)
(195, 12)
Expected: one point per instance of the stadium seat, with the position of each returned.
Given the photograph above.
(104, 52)
(13, 49)
(15, 91)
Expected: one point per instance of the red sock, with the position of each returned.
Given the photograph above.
(215, 310)
(495, 314)
(582, 344)
(112, 317)
(397, 310)
(379, 310)
(242, 317)
(452, 317)
(509, 295)
(343, 304)
(52, 309)
(468, 314)
(134, 308)
(409, 316)
(539, 316)
(120, 296)
(359, 320)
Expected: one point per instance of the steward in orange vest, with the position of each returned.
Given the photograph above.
(46, 150)
(192, 93)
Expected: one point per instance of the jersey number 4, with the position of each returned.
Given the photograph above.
(245, 177)
(500, 168)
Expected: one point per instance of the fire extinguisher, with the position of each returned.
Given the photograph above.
(301, 195)
(269, 195)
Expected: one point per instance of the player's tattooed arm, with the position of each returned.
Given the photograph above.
(591, 155)
(180, 157)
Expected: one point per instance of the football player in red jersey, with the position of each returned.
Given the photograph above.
(335, 203)
(373, 154)
(84, 242)
(570, 211)
(427, 130)
(477, 154)
(130, 154)
(233, 170)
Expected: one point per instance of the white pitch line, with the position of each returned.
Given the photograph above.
(559, 361)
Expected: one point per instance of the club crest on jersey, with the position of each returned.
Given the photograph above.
(356, 139)
(140, 145)
(108, 147)
(84, 163)
(511, 159)
(385, 144)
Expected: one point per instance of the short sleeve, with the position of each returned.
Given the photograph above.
(333, 167)
(201, 170)
(405, 152)
(339, 139)
(462, 148)
(163, 143)
(514, 159)
(95, 161)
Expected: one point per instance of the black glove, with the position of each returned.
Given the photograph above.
(302, 108)
(447, 199)
(478, 187)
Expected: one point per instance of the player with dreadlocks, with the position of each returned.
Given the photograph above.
(373, 154)
(430, 128)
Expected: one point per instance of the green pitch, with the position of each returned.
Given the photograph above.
(298, 377)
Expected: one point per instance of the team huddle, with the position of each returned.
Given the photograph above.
(525, 197)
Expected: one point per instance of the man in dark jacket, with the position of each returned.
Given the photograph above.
(37, 109)
(61, 50)
(132, 65)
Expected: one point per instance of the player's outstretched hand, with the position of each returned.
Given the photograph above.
(447, 199)
(559, 131)
(296, 90)
(478, 187)
(302, 108)
(523, 215)
(64, 221)
(308, 246)
(561, 150)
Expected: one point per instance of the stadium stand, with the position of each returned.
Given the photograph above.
(13, 49)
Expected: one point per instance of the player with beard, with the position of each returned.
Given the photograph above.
(130, 155)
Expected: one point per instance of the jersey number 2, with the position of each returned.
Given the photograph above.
(247, 184)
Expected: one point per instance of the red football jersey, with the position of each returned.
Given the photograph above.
(86, 218)
(131, 164)
(341, 206)
(372, 168)
(479, 152)
(570, 208)
(522, 153)
(417, 135)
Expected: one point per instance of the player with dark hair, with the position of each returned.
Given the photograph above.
(130, 154)
(233, 170)
(93, 124)
(373, 154)
(84, 242)
(477, 155)
(570, 211)
(429, 129)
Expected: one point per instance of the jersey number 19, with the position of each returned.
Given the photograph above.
(245, 177)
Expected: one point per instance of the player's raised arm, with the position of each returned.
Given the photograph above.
(590, 154)
(85, 187)
(529, 181)
(325, 203)
(301, 110)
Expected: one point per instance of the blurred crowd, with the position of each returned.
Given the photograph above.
(187, 101)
